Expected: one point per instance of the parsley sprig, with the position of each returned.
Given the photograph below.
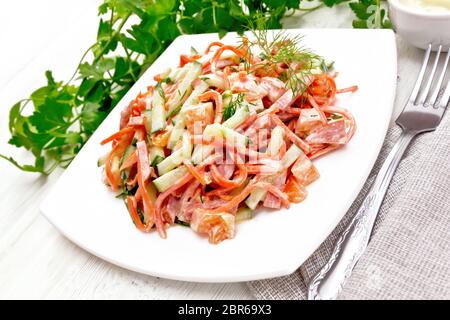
(56, 120)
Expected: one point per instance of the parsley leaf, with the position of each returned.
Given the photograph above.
(370, 14)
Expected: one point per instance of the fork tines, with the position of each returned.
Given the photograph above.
(431, 91)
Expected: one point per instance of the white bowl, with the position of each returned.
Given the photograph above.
(420, 27)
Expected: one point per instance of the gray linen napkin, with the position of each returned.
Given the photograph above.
(409, 253)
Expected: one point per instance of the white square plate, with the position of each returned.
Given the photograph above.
(273, 243)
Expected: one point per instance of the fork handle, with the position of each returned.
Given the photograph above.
(328, 282)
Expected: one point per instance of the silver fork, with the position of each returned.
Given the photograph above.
(423, 113)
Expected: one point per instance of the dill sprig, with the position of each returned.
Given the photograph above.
(235, 103)
(279, 48)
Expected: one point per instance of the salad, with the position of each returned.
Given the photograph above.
(230, 129)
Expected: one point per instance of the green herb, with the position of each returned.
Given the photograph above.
(56, 120)
(123, 194)
(326, 66)
(194, 51)
(335, 117)
(235, 103)
(157, 159)
(124, 175)
(281, 48)
(141, 215)
(160, 89)
(370, 14)
(182, 223)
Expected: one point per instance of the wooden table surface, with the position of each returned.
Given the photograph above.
(36, 261)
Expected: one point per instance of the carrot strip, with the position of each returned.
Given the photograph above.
(217, 97)
(247, 121)
(270, 111)
(241, 197)
(239, 51)
(117, 135)
(117, 151)
(295, 111)
(324, 151)
(162, 196)
(291, 124)
(346, 114)
(323, 117)
(132, 208)
(210, 160)
(184, 59)
(195, 172)
(149, 208)
(129, 161)
(132, 182)
(213, 44)
(112, 181)
(225, 74)
(226, 183)
(292, 136)
(261, 169)
(349, 89)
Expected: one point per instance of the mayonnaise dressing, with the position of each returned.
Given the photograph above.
(429, 5)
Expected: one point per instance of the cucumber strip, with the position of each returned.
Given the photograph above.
(177, 157)
(244, 214)
(169, 179)
(214, 80)
(276, 140)
(257, 105)
(178, 73)
(180, 121)
(156, 160)
(236, 137)
(291, 155)
(213, 130)
(193, 97)
(155, 154)
(202, 151)
(171, 162)
(229, 55)
(158, 118)
(237, 118)
(186, 147)
(227, 97)
(217, 130)
(165, 74)
(289, 158)
(258, 194)
(185, 87)
(206, 57)
(177, 132)
(147, 120)
(125, 173)
(101, 161)
(128, 151)
(151, 190)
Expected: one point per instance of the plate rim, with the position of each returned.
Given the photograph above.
(289, 268)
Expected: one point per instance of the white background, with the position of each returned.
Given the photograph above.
(35, 260)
